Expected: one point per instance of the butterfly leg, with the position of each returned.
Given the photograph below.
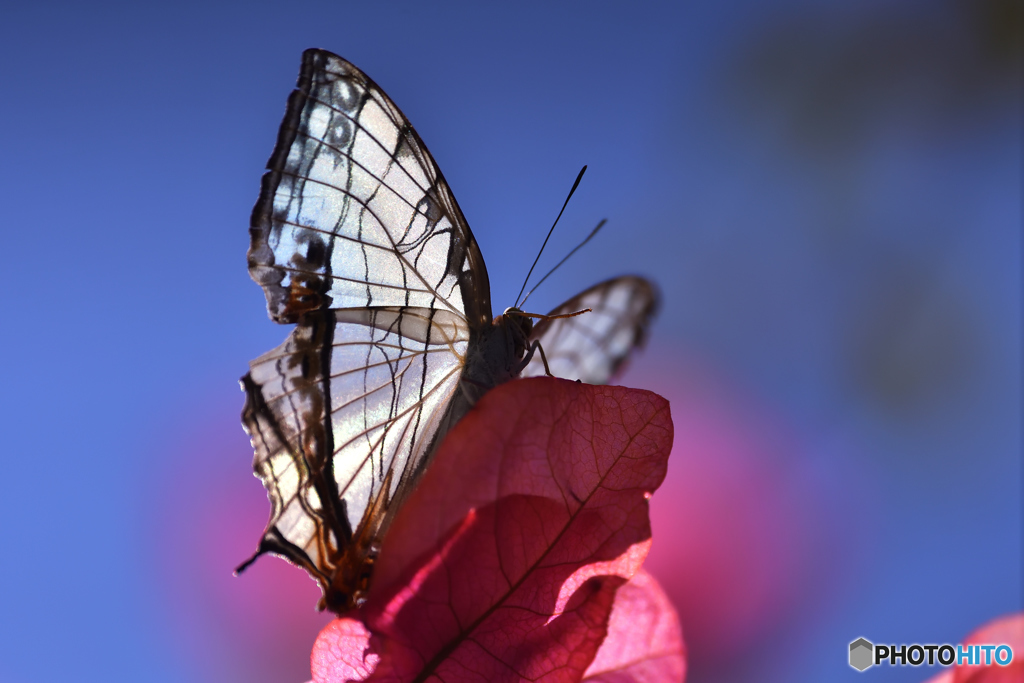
(535, 346)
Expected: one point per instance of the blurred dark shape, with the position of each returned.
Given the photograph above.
(885, 106)
(999, 27)
(830, 77)
(914, 345)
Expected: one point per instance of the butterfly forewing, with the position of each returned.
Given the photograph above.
(357, 239)
(591, 347)
(354, 212)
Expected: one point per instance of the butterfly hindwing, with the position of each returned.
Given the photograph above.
(591, 347)
(341, 417)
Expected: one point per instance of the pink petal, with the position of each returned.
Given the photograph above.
(644, 642)
(503, 564)
(340, 652)
(1007, 630)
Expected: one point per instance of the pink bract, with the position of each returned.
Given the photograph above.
(507, 560)
(1008, 630)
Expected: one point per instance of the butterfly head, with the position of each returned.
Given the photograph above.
(521, 325)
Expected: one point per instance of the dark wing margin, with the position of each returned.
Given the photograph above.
(592, 347)
(355, 237)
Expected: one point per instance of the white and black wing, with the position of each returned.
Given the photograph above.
(358, 240)
(591, 347)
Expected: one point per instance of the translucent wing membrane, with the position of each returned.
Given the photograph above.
(353, 210)
(342, 417)
(357, 239)
(591, 347)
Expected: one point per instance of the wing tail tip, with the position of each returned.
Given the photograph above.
(261, 550)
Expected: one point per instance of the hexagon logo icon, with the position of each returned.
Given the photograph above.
(861, 654)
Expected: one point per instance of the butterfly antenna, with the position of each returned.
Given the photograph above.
(575, 249)
(574, 186)
(541, 316)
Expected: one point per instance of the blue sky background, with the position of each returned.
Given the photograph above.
(829, 197)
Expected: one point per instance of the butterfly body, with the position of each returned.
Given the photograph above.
(497, 355)
(357, 240)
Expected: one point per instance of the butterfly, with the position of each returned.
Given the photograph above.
(357, 239)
